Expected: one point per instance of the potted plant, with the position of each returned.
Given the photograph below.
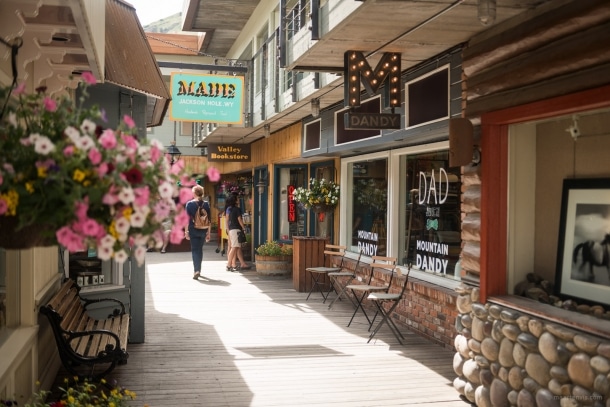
(65, 179)
(274, 259)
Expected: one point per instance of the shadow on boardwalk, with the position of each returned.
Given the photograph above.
(234, 339)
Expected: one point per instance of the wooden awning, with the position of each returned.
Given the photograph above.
(130, 62)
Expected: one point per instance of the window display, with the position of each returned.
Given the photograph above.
(430, 213)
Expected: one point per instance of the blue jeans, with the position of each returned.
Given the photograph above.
(197, 242)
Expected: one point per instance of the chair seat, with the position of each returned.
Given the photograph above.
(366, 287)
(383, 296)
(342, 274)
(323, 269)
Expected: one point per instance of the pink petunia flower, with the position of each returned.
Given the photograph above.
(68, 151)
(91, 228)
(80, 209)
(112, 196)
(213, 174)
(70, 240)
(3, 206)
(102, 169)
(185, 195)
(89, 78)
(129, 121)
(108, 139)
(94, 156)
(19, 89)
(142, 196)
(49, 104)
(130, 141)
(176, 235)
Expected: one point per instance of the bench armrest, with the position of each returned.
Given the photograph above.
(115, 313)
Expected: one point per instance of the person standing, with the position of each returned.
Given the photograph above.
(234, 225)
(197, 236)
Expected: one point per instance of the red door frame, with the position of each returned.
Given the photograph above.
(494, 176)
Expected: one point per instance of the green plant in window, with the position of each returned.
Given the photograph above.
(371, 193)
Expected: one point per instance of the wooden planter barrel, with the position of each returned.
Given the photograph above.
(274, 266)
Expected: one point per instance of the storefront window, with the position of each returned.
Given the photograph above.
(323, 222)
(430, 213)
(367, 204)
(291, 222)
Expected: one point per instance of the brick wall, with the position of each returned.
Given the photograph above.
(427, 309)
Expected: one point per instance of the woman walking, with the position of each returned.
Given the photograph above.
(197, 236)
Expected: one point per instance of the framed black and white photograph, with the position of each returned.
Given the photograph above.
(583, 254)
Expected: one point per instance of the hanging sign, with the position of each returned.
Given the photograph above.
(356, 71)
(207, 98)
(229, 152)
(292, 207)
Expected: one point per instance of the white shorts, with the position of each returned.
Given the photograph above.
(233, 241)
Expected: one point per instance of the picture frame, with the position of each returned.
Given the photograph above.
(583, 250)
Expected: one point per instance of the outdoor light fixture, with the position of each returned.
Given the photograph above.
(487, 11)
(267, 129)
(260, 186)
(173, 152)
(315, 107)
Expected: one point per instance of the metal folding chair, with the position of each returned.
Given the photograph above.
(381, 299)
(360, 291)
(341, 279)
(318, 274)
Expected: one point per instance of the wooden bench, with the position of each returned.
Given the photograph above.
(98, 344)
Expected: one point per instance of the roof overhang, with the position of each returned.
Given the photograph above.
(131, 63)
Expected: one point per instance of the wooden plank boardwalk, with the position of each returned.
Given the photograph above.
(236, 339)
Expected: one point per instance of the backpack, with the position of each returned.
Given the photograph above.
(202, 220)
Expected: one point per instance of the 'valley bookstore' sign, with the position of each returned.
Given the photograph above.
(207, 98)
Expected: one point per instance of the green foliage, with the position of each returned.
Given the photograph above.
(274, 248)
(83, 394)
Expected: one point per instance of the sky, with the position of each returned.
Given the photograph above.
(149, 11)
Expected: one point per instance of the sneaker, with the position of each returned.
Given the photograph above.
(245, 267)
(229, 268)
(196, 276)
(234, 269)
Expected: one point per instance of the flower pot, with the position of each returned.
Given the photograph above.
(322, 208)
(35, 235)
(274, 266)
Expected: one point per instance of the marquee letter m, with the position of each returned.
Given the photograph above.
(356, 69)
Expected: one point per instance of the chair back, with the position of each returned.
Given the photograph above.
(384, 263)
(400, 273)
(331, 250)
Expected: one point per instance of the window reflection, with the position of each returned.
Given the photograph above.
(369, 201)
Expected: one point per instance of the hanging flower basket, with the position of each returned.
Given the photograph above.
(67, 179)
(322, 195)
(323, 208)
(25, 238)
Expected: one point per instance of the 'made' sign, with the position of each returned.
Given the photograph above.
(207, 98)
(357, 70)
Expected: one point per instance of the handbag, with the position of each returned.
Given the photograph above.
(241, 236)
